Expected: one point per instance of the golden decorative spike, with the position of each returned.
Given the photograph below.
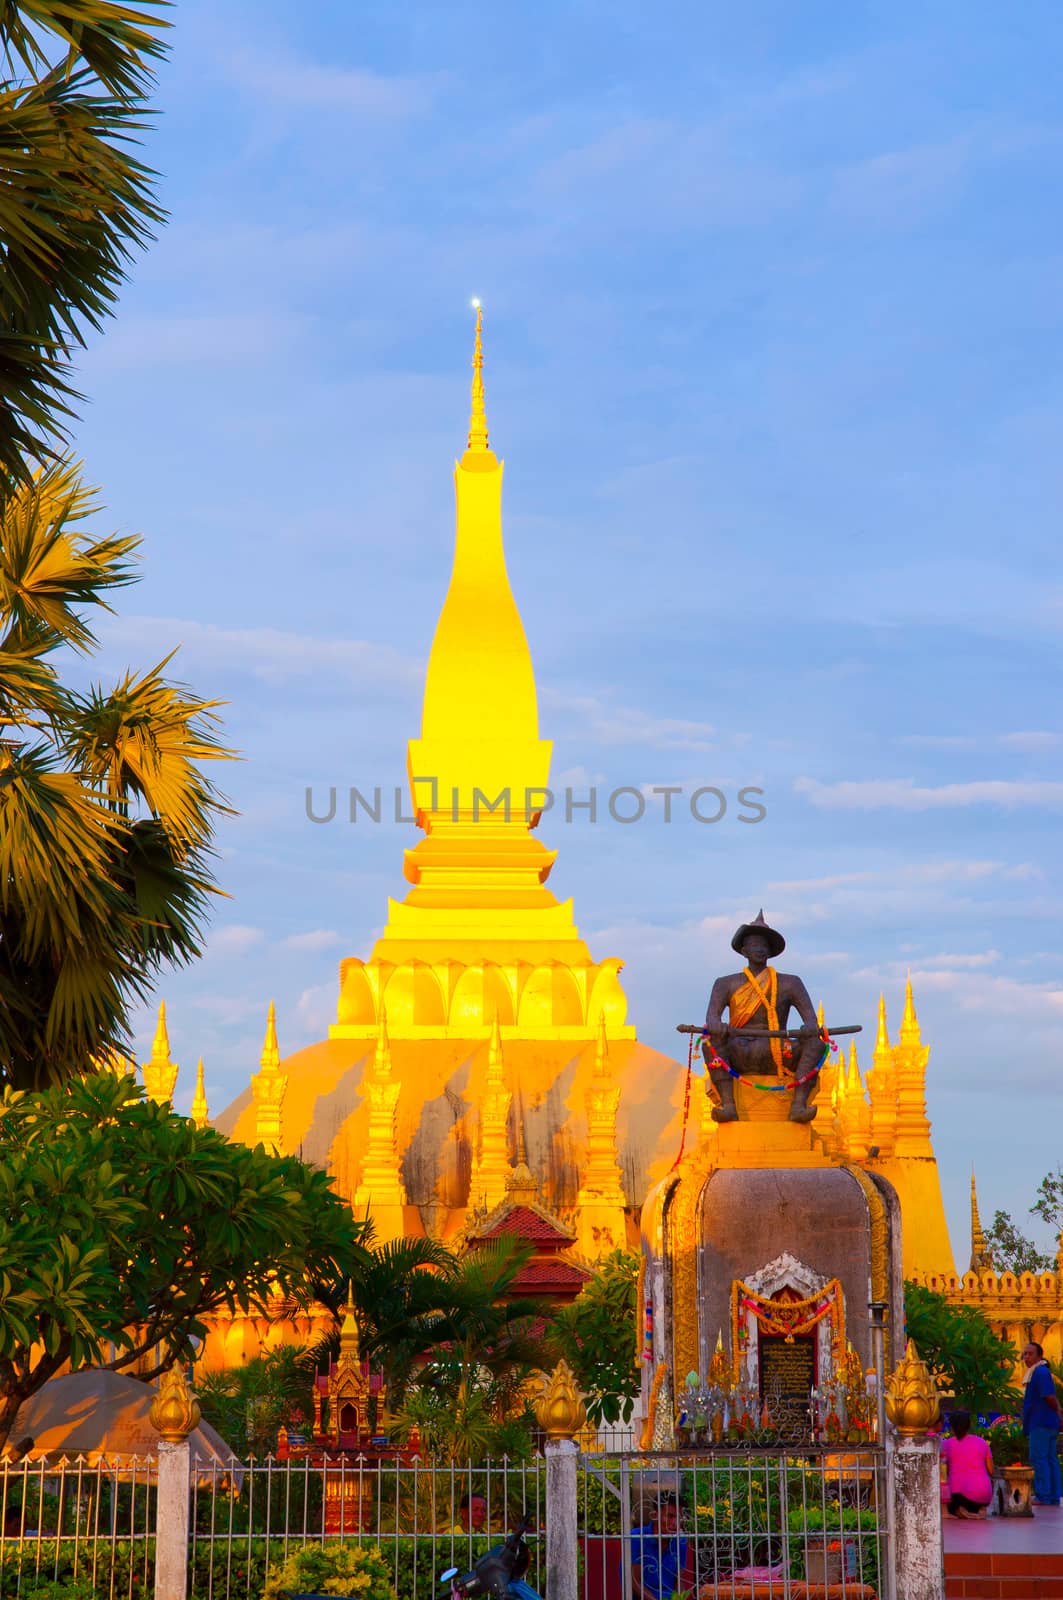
(200, 1112)
(494, 1054)
(912, 1403)
(175, 1409)
(382, 1054)
(270, 1058)
(160, 1072)
(521, 1184)
(478, 416)
(855, 1084)
(349, 1328)
(720, 1372)
(601, 1049)
(910, 1033)
(882, 1038)
(981, 1255)
(559, 1410)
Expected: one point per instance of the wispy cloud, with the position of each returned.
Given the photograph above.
(904, 794)
(1026, 743)
(613, 724)
(285, 79)
(234, 940)
(315, 939)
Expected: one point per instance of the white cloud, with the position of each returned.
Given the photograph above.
(1027, 742)
(234, 940)
(904, 794)
(270, 654)
(618, 724)
(282, 78)
(315, 939)
(316, 1009)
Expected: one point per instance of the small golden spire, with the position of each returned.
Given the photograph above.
(819, 1013)
(160, 1071)
(910, 1033)
(200, 1112)
(494, 1053)
(349, 1327)
(382, 1053)
(882, 1038)
(981, 1255)
(478, 417)
(521, 1183)
(855, 1083)
(601, 1049)
(270, 1059)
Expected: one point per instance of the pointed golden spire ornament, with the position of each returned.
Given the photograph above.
(478, 442)
(160, 1072)
(600, 1201)
(521, 1184)
(601, 1049)
(487, 1183)
(268, 1087)
(981, 1255)
(381, 1189)
(882, 1088)
(910, 1033)
(200, 1112)
(910, 1058)
(912, 1403)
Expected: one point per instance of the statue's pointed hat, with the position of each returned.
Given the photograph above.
(776, 942)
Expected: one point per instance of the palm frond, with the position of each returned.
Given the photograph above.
(117, 43)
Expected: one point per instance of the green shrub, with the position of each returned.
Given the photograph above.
(358, 1570)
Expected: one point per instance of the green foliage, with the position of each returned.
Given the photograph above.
(1009, 1444)
(250, 1403)
(116, 1214)
(106, 816)
(336, 1568)
(1049, 1203)
(1012, 1251)
(957, 1342)
(596, 1336)
(74, 201)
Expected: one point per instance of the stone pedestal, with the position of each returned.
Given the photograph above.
(915, 1473)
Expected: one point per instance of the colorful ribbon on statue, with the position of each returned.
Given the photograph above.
(714, 1061)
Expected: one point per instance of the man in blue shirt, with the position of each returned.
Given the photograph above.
(1041, 1421)
(658, 1554)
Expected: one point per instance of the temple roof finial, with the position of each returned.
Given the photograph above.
(478, 416)
(271, 1055)
(981, 1255)
(160, 1045)
(200, 1112)
(601, 1049)
(910, 1033)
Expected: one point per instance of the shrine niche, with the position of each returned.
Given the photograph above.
(791, 1317)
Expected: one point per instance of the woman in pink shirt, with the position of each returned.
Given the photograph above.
(970, 1468)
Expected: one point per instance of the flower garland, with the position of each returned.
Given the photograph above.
(714, 1061)
(788, 1319)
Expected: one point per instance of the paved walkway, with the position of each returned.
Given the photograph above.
(1041, 1534)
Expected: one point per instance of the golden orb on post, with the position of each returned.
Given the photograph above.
(175, 1409)
(559, 1410)
(912, 1403)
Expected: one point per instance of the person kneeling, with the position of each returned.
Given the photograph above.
(969, 1462)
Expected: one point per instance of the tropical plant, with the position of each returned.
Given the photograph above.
(249, 1404)
(74, 201)
(123, 1224)
(595, 1334)
(336, 1568)
(106, 815)
(957, 1342)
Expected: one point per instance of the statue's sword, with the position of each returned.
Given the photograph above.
(768, 1033)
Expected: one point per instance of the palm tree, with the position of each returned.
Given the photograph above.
(106, 815)
(74, 201)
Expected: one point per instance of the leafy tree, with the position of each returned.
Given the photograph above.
(596, 1336)
(958, 1343)
(74, 201)
(1012, 1251)
(123, 1225)
(106, 816)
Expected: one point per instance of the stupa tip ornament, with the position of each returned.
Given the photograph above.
(478, 441)
(912, 1403)
(559, 1410)
(175, 1409)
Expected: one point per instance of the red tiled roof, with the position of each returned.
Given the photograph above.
(541, 1274)
(524, 1223)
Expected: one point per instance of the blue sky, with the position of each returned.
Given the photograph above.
(773, 333)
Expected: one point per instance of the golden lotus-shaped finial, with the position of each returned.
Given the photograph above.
(175, 1409)
(559, 1410)
(720, 1371)
(911, 1398)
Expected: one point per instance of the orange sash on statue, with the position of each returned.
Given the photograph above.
(747, 1001)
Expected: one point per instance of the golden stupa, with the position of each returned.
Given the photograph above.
(480, 1004)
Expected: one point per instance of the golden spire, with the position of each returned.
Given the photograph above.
(160, 1072)
(882, 1038)
(382, 1053)
(854, 1085)
(487, 1183)
(601, 1049)
(882, 1087)
(270, 1059)
(349, 1327)
(910, 1033)
(477, 416)
(981, 1255)
(494, 1054)
(268, 1087)
(521, 1184)
(200, 1112)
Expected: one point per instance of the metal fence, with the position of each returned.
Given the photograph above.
(732, 1522)
(721, 1524)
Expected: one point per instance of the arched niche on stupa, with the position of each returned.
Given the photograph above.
(357, 1002)
(413, 997)
(481, 994)
(551, 998)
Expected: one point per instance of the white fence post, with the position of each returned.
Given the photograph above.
(912, 1406)
(562, 1520)
(171, 1524)
(174, 1413)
